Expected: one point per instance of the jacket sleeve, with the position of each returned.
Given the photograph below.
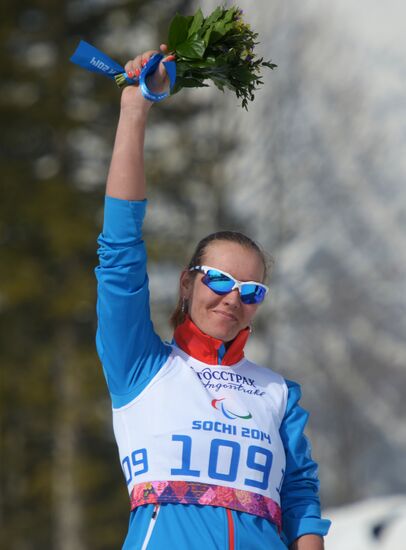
(129, 349)
(300, 489)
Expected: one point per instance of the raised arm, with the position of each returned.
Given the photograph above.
(130, 351)
(126, 179)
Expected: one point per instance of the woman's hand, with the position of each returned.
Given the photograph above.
(158, 82)
(126, 179)
(308, 542)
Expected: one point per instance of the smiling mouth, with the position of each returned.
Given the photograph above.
(226, 315)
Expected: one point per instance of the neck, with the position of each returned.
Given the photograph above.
(208, 349)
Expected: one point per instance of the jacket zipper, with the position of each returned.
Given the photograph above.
(230, 524)
(151, 526)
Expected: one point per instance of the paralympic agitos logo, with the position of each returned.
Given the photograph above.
(230, 409)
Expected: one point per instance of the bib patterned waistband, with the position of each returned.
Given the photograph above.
(189, 492)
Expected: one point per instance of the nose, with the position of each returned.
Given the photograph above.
(233, 297)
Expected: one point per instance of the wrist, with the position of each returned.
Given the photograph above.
(133, 104)
(135, 113)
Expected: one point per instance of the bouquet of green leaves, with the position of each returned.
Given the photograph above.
(219, 47)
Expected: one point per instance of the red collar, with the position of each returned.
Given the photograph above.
(205, 348)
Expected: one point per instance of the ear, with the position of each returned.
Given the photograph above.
(185, 284)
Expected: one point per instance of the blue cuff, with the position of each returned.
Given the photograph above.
(295, 528)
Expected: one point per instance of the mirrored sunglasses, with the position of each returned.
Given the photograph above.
(222, 283)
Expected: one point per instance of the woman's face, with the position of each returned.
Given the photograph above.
(222, 316)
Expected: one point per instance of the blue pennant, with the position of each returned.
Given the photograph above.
(90, 58)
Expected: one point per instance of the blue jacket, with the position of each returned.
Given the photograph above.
(131, 354)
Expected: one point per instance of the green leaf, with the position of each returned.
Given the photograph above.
(187, 83)
(193, 48)
(213, 17)
(219, 30)
(214, 37)
(219, 83)
(220, 27)
(178, 30)
(229, 14)
(269, 64)
(196, 64)
(196, 23)
(243, 75)
(192, 83)
(206, 37)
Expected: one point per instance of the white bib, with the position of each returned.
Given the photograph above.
(208, 424)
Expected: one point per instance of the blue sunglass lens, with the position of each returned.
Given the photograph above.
(218, 282)
(252, 294)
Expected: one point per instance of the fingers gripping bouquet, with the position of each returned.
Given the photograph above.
(219, 48)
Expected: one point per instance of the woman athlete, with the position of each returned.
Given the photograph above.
(211, 445)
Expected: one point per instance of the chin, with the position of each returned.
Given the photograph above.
(224, 335)
(219, 329)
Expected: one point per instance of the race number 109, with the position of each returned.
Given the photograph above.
(257, 459)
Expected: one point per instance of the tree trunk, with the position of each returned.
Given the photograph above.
(67, 507)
